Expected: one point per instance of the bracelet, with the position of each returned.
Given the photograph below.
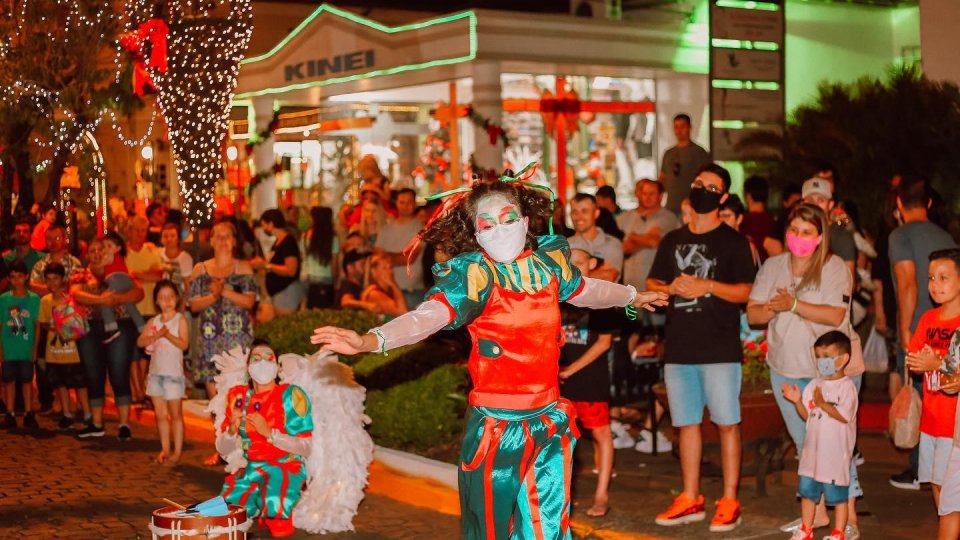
(381, 341)
(793, 308)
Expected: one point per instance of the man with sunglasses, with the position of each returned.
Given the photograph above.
(707, 269)
(681, 163)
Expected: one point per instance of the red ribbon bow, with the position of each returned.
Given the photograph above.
(154, 30)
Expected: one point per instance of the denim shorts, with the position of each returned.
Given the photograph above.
(166, 386)
(811, 490)
(934, 457)
(691, 387)
(289, 298)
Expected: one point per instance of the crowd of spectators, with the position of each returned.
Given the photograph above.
(801, 271)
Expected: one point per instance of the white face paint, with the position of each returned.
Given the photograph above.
(501, 228)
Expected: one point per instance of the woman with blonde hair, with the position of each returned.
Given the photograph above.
(800, 295)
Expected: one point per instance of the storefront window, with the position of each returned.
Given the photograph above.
(606, 148)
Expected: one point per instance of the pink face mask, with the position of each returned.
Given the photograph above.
(802, 247)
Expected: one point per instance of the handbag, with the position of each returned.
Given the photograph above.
(905, 416)
(875, 353)
(70, 320)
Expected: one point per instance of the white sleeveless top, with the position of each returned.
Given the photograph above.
(165, 357)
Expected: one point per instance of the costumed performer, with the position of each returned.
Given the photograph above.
(272, 426)
(505, 284)
(336, 467)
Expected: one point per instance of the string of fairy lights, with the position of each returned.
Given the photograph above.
(194, 93)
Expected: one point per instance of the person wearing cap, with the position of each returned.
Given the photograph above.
(351, 288)
(819, 192)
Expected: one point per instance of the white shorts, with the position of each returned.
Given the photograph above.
(934, 456)
(166, 386)
(950, 492)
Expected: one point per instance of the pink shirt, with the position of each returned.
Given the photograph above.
(828, 444)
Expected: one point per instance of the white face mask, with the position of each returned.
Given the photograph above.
(503, 242)
(263, 371)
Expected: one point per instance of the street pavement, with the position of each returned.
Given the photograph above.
(53, 485)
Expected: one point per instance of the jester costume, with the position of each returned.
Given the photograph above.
(518, 449)
(270, 483)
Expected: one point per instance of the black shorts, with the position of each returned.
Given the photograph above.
(18, 371)
(66, 376)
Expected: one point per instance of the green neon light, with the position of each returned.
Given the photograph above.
(729, 124)
(745, 85)
(469, 15)
(739, 44)
(745, 4)
(359, 20)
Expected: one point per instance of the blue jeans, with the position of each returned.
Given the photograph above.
(100, 360)
(797, 427)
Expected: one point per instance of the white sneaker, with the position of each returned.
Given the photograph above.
(851, 532)
(621, 437)
(645, 442)
(793, 526)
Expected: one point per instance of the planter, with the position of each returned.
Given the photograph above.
(762, 432)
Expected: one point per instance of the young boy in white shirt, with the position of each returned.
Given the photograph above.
(829, 406)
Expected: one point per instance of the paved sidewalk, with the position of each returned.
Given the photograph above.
(53, 485)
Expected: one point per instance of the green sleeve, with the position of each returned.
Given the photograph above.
(463, 284)
(555, 252)
(296, 409)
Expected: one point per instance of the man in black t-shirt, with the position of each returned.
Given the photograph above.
(351, 288)
(585, 377)
(707, 269)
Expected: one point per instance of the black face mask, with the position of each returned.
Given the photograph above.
(703, 201)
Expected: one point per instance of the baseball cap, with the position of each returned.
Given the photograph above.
(353, 256)
(816, 186)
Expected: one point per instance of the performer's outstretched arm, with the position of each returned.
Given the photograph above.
(600, 294)
(409, 328)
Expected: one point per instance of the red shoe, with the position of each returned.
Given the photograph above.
(683, 510)
(727, 517)
(280, 527)
(837, 534)
(803, 533)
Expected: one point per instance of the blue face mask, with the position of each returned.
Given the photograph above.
(827, 366)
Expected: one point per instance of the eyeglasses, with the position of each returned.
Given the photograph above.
(698, 183)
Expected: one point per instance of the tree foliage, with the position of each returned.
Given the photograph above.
(62, 54)
(872, 130)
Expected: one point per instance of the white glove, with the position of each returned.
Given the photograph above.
(600, 294)
(290, 443)
(227, 444)
(413, 327)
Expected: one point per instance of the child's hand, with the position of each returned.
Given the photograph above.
(235, 420)
(818, 398)
(791, 392)
(926, 359)
(565, 373)
(950, 385)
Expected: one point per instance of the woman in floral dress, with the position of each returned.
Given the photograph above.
(222, 293)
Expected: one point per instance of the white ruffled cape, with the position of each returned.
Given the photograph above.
(342, 449)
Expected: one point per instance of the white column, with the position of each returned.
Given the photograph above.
(487, 102)
(939, 39)
(264, 196)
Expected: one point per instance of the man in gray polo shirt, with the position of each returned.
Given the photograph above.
(643, 228)
(590, 238)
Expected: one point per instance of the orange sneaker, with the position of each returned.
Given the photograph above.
(727, 517)
(683, 510)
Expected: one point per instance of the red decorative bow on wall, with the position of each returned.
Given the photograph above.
(155, 31)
